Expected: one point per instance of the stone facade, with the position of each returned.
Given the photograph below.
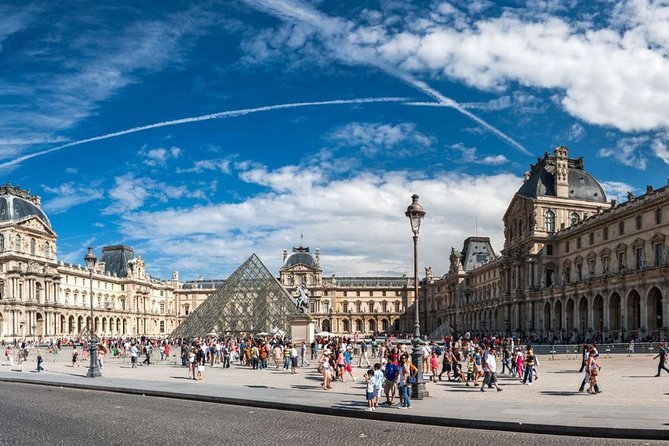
(573, 264)
(349, 305)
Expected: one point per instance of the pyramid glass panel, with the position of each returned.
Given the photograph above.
(250, 301)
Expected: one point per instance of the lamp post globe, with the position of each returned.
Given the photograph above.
(93, 369)
(415, 212)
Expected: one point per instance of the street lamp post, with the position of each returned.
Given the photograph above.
(415, 212)
(93, 369)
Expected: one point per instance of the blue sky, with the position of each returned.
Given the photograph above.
(451, 100)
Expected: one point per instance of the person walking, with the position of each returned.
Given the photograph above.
(293, 359)
(134, 354)
(75, 356)
(325, 369)
(528, 362)
(303, 356)
(594, 369)
(662, 354)
(403, 382)
(363, 354)
(40, 361)
(490, 371)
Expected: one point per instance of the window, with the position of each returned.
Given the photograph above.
(162, 308)
(358, 325)
(658, 254)
(549, 216)
(347, 327)
(621, 227)
(2, 243)
(658, 216)
(591, 267)
(370, 306)
(383, 293)
(18, 244)
(384, 307)
(357, 293)
(358, 307)
(575, 218)
(549, 250)
(345, 293)
(566, 246)
(371, 294)
(162, 326)
(640, 258)
(591, 238)
(579, 272)
(33, 245)
(606, 233)
(578, 242)
(397, 307)
(638, 222)
(345, 307)
(47, 249)
(567, 274)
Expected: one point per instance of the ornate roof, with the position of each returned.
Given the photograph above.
(300, 256)
(541, 181)
(17, 204)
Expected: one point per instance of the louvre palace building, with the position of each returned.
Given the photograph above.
(573, 265)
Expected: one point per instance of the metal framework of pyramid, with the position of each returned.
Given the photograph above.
(250, 301)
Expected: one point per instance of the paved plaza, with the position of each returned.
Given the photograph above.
(632, 397)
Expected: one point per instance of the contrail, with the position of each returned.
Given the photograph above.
(331, 27)
(220, 115)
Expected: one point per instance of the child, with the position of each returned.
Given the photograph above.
(371, 394)
(378, 383)
(519, 365)
(433, 366)
(75, 357)
(40, 360)
(471, 366)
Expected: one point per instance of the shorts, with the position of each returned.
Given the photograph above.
(470, 376)
(293, 362)
(133, 359)
(377, 391)
(446, 367)
(348, 368)
(389, 387)
(490, 378)
(370, 396)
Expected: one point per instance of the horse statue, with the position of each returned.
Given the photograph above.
(302, 302)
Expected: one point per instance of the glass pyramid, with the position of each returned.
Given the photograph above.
(250, 301)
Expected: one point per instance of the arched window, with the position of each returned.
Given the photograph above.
(575, 218)
(47, 249)
(33, 244)
(18, 243)
(358, 325)
(550, 221)
(347, 327)
(2, 243)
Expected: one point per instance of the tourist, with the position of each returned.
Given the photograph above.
(403, 381)
(490, 371)
(446, 363)
(286, 356)
(378, 383)
(478, 371)
(40, 360)
(425, 355)
(519, 364)
(593, 369)
(75, 356)
(277, 354)
(506, 359)
(434, 364)
(303, 356)
(369, 386)
(254, 355)
(264, 354)
(9, 353)
(528, 363)
(147, 352)
(341, 363)
(471, 371)
(293, 359)
(134, 354)
(200, 361)
(391, 376)
(347, 362)
(662, 355)
(325, 369)
(363, 354)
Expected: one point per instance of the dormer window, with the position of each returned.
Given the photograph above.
(549, 216)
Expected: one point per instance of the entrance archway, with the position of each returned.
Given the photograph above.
(633, 321)
(598, 315)
(39, 324)
(654, 314)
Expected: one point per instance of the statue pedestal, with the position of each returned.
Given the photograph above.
(302, 329)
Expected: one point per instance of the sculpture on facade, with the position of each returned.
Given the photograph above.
(302, 302)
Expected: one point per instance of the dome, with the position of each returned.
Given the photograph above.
(540, 181)
(300, 256)
(20, 206)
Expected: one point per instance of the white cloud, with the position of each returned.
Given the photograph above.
(222, 165)
(613, 75)
(68, 195)
(661, 150)
(361, 217)
(628, 151)
(131, 192)
(393, 140)
(160, 156)
(616, 189)
(576, 132)
(469, 155)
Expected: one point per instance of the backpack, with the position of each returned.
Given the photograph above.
(437, 350)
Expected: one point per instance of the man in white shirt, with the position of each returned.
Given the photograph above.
(490, 371)
(293, 359)
(134, 353)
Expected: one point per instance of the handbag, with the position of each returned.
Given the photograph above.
(413, 380)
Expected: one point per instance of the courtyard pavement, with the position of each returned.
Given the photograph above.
(632, 405)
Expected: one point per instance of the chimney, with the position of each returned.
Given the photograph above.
(562, 172)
